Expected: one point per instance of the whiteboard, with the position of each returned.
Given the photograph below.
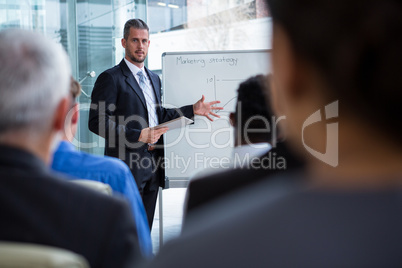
(187, 76)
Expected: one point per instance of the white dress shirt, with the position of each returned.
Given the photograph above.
(148, 92)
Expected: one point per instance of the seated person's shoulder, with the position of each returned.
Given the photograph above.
(81, 196)
(104, 164)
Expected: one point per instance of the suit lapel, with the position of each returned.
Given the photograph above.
(132, 82)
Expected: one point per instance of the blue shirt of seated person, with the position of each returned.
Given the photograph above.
(108, 170)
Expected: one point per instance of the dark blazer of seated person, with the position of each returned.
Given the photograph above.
(40, 207)
(202, 191)
(250, 120)
(36, 205)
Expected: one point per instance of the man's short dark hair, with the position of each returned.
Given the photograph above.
(356, 48)
(135, 24)
(253, 110)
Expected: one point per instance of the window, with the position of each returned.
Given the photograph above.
(209, 25)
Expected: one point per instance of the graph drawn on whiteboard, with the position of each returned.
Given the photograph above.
(221, 86)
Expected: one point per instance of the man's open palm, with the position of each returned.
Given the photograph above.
(205, 108)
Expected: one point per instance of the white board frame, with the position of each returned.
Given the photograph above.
(184, 97)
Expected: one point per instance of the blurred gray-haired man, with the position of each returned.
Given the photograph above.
(36, 206)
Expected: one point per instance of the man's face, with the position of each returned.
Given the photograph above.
(136, 46)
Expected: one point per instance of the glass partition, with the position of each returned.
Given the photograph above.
(206, 25)
(48, 17)
(100, 26)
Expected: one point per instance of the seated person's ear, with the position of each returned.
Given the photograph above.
(290, 70)
(61, 113)
(232, 119)
(75, 115)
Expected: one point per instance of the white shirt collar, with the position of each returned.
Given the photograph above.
(134, 69)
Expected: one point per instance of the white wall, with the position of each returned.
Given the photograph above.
(245, 35)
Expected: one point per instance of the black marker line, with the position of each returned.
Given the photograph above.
(215, 85)
(226, 104)
(228, 80)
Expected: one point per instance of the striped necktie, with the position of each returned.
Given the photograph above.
(149, 99)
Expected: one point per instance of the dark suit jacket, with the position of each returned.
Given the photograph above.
(36, 206)
(202, 191)
(275, 223)
(119, 113)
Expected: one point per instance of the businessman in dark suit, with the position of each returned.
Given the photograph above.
(126, 104)
(36, 205)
